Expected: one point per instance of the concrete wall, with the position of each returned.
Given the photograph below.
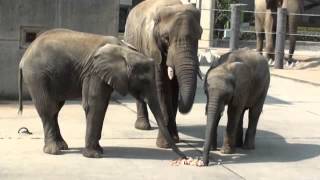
(95, 16)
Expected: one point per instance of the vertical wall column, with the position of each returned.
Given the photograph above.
(207, 23)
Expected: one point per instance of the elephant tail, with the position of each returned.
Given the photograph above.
(20, 80)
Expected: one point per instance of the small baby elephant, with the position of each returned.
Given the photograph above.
(239, 79)
(62, 64)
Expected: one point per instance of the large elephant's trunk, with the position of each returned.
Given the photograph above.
(213, 117)
(186, 68)
(154, 105)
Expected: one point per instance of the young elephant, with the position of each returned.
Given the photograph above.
(239, 79)
(62, 64)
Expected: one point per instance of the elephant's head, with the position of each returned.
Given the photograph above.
(128, 71)
(176, 33)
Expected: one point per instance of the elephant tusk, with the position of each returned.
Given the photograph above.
(170, 73)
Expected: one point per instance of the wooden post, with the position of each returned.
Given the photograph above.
(235, 27)
(280, 37)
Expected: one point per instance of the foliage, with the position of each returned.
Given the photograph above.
(222, 17)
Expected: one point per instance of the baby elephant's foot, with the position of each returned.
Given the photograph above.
(142, 124)
(100, 149)
(227, 150)
(92, 153)
(55, 147)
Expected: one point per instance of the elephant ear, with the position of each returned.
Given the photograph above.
(152, 40)
(110, 65)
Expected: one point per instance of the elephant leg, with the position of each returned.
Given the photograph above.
(60, 141)
(142, 121)
(48, 110)
(172, 101)
(239, 138)
(169, 107)
(229, 140)
(259, 26)
(95, 97)
(254, 114)
(292, 29)
(270, 29)
(260, 42)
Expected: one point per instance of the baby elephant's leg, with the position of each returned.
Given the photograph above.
(229, 142)
(95, 96)
(254, 114)
(239, 136)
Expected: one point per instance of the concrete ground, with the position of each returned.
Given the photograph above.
(287, 142)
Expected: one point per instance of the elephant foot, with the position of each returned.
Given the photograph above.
(291, 64)
(214, 146)
(248, 146)
(271, 62)
(62, 145)
(55, 147)
(239, 143)
(92, 153)
(162, 143)
(142, 124)
(176, 138)
(227, 150)
(99, 148)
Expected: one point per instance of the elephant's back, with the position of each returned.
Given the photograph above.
(63, 45)
(148, 6)
(58, 56)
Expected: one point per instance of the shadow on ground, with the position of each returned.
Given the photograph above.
(274, 100)
(131, 153)
(270, 147)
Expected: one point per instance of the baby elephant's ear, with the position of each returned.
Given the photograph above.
(109, 64)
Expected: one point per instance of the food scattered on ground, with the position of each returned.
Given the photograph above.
(188, 161)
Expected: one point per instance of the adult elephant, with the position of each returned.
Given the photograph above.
(266, 22)
(168, 31)
(62, 64)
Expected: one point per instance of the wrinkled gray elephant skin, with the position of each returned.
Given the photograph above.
(63, 64)
(240, 80)
(168, 31)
